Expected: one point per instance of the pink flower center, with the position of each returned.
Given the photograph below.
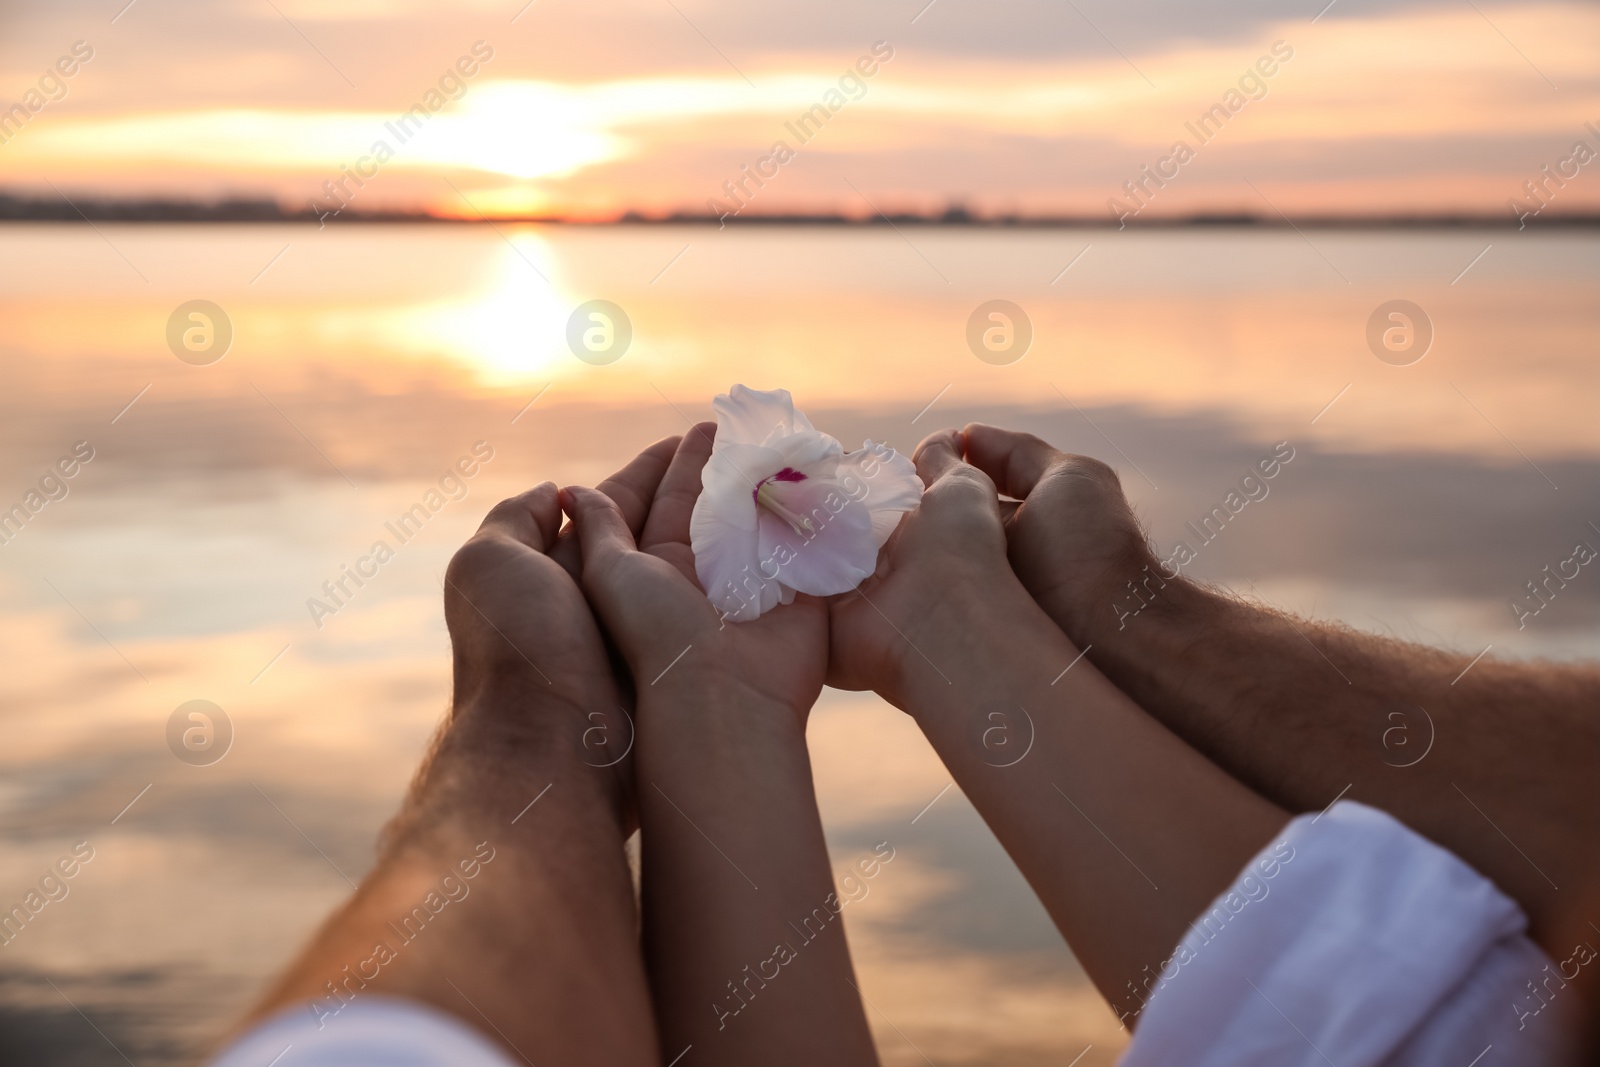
(766, 496)
(788, 474)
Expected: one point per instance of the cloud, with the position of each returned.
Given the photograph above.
(1358, 117)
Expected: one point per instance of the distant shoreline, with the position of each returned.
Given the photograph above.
(30, 209)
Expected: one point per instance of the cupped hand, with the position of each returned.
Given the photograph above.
(645, 590)
(940, 574)
(1073, 539)
(523, 634)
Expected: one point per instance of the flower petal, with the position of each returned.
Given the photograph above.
(892, 485)
(841, 551)
(814, 454)
(727, 561)
(752, 416)
(783, 509)
(723, 531)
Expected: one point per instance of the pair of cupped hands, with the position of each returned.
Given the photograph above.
(530, 603)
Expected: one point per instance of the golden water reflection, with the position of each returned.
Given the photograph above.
(366, 359)
(1264, 326)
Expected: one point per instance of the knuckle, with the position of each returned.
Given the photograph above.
(1089, 469)
(966, 479)
(478, 556)
(609, 563)
(1032, 451)
(598, 504)
(963, 488)
(936, 440)
(1034, 443)
(510, 507)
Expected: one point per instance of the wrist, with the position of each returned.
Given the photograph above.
(1123, 588)
(501, 747)
(977, 647)
(712, 692)
(493, 687)
(1153, 633)
(1094, 600)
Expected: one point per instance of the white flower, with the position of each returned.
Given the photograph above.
(785, 510)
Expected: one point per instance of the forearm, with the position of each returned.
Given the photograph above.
(470, 875)
(1303, 712)
(1125, 833)
(743, 937)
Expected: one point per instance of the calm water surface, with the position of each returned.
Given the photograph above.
(365, 361)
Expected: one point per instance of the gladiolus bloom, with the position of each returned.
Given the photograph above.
(785, 510)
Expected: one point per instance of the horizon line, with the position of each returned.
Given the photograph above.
(14, 208)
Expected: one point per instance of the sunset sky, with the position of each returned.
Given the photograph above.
(591, 110)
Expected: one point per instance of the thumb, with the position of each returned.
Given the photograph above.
(1014, 461)
(619, 581)
(938, 453)
(602, 530)
(532, 517)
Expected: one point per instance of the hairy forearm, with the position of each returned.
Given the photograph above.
(468, 872)
(1495, 762)
(743, 935)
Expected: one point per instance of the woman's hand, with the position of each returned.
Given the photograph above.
(666, 628)
(940, 575)
(734, 848)
(1059, 762)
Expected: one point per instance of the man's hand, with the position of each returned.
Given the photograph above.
(538, 719)
(1073, 539)
(524, 636)
(516, 618)
(1302, 711)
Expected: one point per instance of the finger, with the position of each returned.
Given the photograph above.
(635, 486)
(625, 597)
(602, 530)
(953, 484)
(632, 488)
(532, 517)
(938, 453)
(1014, 461)
(679, 489)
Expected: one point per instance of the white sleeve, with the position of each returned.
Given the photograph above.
(1355, 941)
(372, 1031)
